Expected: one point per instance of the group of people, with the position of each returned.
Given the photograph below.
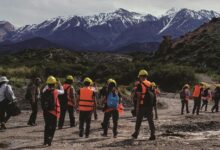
(202, 95)
(56, 99)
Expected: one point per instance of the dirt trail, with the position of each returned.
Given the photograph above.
(173, 132)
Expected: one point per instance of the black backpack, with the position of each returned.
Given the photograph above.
(149, 97)
(63, 99)
(47, 100)
(182, 94)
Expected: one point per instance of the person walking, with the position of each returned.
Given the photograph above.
(33, 96)
(216, 98)
(112, 100)
(144, 104)
(185, 96)
(51, 108)
(6, 96)
(206, 97)
(67, 102)
(86, 104)
(198, 89)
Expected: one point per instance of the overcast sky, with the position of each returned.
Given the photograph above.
(22, 12)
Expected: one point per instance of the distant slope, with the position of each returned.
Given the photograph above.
(139, 47)
(35, 43)
(200, 48)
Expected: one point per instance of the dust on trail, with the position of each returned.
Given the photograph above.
(174, 131)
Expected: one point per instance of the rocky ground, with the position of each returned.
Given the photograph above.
(174, 131)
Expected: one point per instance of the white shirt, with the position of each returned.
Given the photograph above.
(3, 90)
(60, 91)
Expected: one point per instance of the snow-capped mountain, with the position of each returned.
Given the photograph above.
(107, 31)
(5, 28)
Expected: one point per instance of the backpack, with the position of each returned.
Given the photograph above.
(28, 94)
(149, 96)
(47, 100)
(113, 100)
(182, 95)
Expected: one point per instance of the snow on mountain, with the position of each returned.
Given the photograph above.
(105, 30)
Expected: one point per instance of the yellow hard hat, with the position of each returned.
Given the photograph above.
(217, 85)
(112, 81)
(153, 84)
(51, 80)
(87, 79)
(187, 85)
(69, 77)
(143, 72)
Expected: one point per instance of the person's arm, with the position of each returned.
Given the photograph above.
(60, 90)
(10, 91)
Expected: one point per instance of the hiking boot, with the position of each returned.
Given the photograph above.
(60, 128)
(134, 135)
(115, 135)
(80, 134)
(87, 136)
(152, 138)
(3, 127)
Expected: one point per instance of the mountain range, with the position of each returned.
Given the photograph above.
(116, 30)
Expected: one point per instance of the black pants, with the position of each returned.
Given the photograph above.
(70, 110)
(115, 116)
(204, 103)
(133, 112)
(85, 118)
(184, 103)
(216, 105)
(50, 127)
(3, 112)
(33, 116)
(197, 105)
(148, 112)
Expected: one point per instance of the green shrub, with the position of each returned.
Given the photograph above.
(171, 77)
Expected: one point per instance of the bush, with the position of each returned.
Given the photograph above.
(171, 77)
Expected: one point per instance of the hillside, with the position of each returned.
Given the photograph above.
(34, 43)
(199, 48)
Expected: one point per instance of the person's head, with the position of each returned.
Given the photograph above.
(142, 75)
(112, 84)
(69, 79)
(3, 80)
(37, 81)
(51, 81)
(87, 81)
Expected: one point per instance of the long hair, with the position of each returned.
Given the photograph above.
(111, 86)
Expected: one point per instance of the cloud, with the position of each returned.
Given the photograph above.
(22, 12)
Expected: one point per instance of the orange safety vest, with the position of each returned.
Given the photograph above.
(196, 92)
(69, 94)
(86, 100)
(56, 111)
(144, 90)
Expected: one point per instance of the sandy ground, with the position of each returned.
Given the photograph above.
(174, 131)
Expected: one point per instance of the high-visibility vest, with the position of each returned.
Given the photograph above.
(144, 90)
(69, 90)
(197, 90)
(56, 111)
(86, 100)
